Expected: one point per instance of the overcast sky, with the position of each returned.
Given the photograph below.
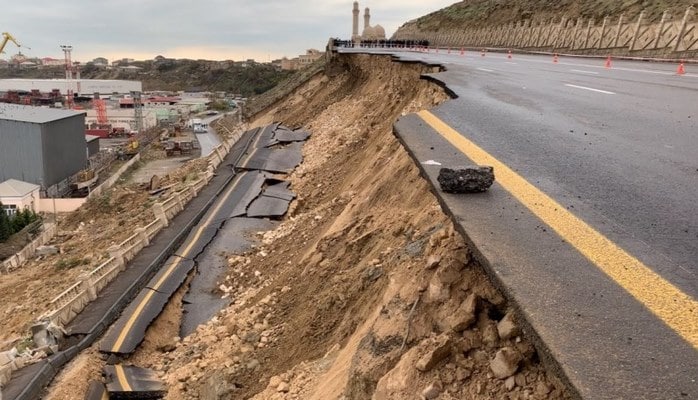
(210, 29)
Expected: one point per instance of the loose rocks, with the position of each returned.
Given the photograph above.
(466, 180)
(438, 350)
(505, 363)
(506, 328)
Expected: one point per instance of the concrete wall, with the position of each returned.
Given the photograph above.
(20, 152)
(53, 206)
(64, 149)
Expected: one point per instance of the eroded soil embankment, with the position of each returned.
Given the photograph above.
(365, 258)
(365, 290)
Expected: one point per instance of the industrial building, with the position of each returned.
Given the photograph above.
(123, 118)
(43, 146)
(80, 87)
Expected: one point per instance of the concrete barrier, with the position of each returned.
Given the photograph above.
(69, 303)
(16, 261)
(114, 178)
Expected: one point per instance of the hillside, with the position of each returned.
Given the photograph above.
(478, 13)
(168, 74)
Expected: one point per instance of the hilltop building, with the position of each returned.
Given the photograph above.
(376, 32)
(301, 61)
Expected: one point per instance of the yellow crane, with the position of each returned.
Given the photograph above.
(6, 37)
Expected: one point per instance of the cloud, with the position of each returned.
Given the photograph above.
(216, 29)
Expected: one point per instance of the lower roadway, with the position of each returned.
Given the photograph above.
(592, 227)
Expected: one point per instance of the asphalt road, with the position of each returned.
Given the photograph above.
(209, 140)
(618, 145)
(617, 148)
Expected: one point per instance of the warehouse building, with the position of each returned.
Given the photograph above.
(43, 146)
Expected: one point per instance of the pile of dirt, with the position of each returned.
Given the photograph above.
(365, 290)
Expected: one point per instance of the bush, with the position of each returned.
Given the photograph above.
(11, 225)
(71, 262)
(5, 225)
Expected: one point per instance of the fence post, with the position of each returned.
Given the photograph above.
(143, 235)
(660, 31)
(603, 32)
(637, 30)
(620, 29)
(682, 29)
(575, 32)
(116, 252)
(526, 34)
(87, 284)
(586, 36)
(559, 33)
(159, 212)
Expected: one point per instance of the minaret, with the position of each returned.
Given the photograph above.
(367, 18)
(355, 22)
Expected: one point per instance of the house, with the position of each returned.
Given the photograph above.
(52, 62)
(17, 195)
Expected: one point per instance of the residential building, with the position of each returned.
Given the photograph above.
(16, 195)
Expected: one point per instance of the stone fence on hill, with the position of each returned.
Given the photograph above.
(68, 304)
(669, 37)
(47, 232)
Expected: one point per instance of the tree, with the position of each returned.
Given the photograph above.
(18, 221)
(5, 227)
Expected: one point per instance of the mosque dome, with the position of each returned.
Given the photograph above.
(379, 32)
(369, 33)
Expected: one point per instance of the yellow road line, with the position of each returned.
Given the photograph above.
(677, 309)
(126, 330)
(121, 377)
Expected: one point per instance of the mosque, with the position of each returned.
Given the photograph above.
(370, 32)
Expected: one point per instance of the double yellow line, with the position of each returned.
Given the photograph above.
(126, 330)
(675, 308)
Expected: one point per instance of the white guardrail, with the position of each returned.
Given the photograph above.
(73, 300)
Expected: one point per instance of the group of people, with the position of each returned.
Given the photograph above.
(400, 44)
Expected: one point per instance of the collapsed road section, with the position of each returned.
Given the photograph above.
(237, 184)
(253, 194)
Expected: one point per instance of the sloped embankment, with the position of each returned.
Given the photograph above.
(365, 290)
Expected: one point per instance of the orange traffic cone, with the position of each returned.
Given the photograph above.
(555, 58)
(680, 70)
(509, 55)
(608, 63)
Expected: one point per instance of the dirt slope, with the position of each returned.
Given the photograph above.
(365, 282)
(475, 13)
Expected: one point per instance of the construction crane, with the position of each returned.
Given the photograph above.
(6, 37)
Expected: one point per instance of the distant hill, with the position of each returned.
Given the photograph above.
(477, 13)
(168, 74)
